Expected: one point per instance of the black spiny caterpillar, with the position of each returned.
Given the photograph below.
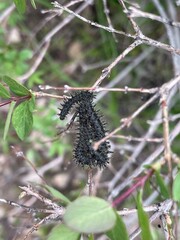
(91, 129)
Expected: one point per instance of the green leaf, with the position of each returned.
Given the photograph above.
(22, 120)
(33, 4)
(143, 220)
(61, 232)
(57, 194)
(119, 231)
(16, 87)
(32, 103)
(90, 215)
(25, 54)
(162, 186)
(176, 184)
(91, 237)
(8, 120)
(4, 92)
(21, 5)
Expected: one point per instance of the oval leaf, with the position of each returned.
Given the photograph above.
(119, 231)
(90, 215)
(21, 5)
(4, 92)
(16, 87)
(61, 232)
(176, 184)
(22, 120)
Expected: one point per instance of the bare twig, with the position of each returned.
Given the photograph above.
(135, 26)
(62, 24)
(159, 207)
(167, 148)
(139, 183)
(130, 138)
(173, 35)
(107, 71)
(164, 208)
(106, 11)
(55, 211)
(42, 94)
(134, 12)
(109, 29)
(128, 120)
(126, 89)
(175, 132)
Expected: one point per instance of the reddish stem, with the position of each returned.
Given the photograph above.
(15, 99)
(139, 183)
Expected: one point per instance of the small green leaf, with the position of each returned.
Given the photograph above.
(143, 220)
(32, 103)
(33, 4)
(176, 184)
(4, 92)
(91, 237)
(57, 194)
(25, 54)
(21, 5)
(22, 120)
(90, 215)
(8, 120)
(61, 232)
(162, 186)
(119, 231)
(16, 87)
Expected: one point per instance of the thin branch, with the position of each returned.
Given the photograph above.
(26, 208)
(115, 191)
(130, 138)
(167, 148)
(171, 118)
(32, 192)
(42, 94)
(134, 13)
(66, 21)
(14, 99)
(133, 23)
(109, 29)
(127, 121)
(106, 71)
(172, 35)
(163, 208)
(139, 183)
(126, 89)
(152, 42)
(159, 207)
(106, 11)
